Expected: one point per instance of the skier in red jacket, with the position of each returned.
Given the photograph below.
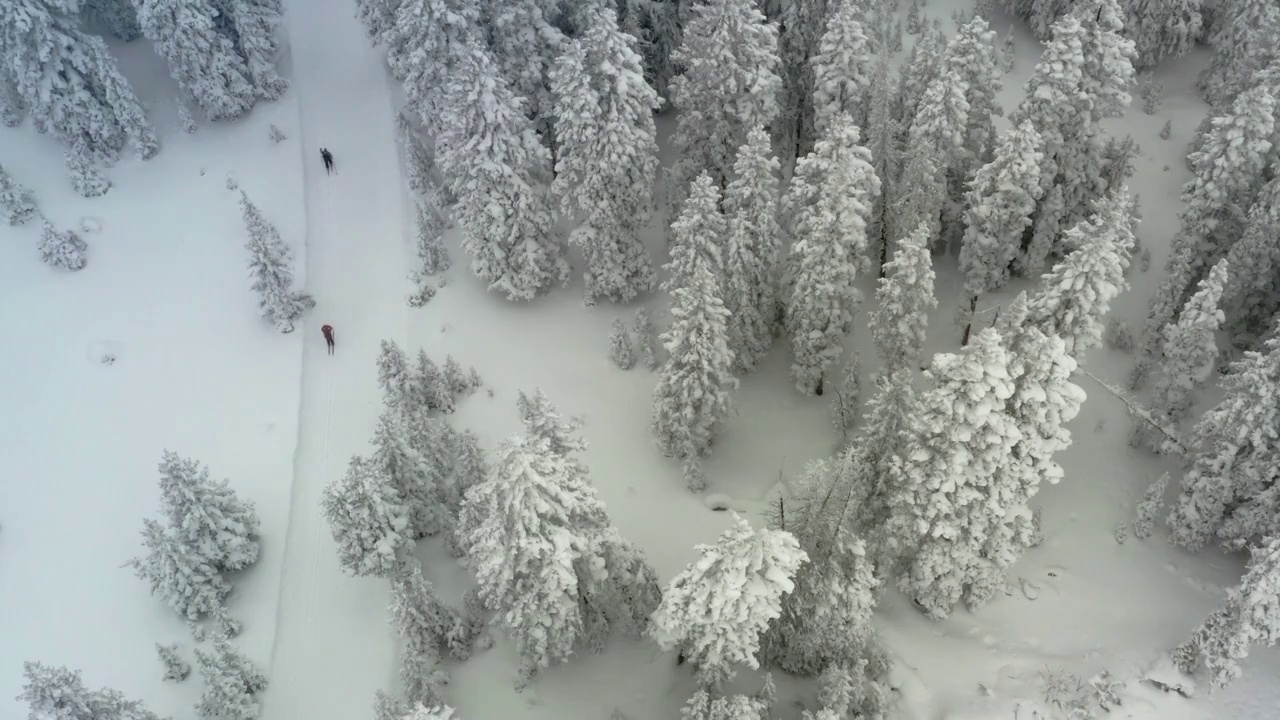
(328, 336)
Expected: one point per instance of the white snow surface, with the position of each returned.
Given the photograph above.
(195, 370)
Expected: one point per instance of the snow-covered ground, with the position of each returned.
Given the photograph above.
(196, 371)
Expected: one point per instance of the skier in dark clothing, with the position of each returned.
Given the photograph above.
(327, 157)
(327, 330)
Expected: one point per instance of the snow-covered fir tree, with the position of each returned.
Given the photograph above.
(941, 124)
(1108, 52)
(178, 572)
(459, 383)
(68, 80)
(752, 245)
(1149, 509)
(378, 17)
(620, 351)
(1162, 29)
(428, 628)
(704, 706)
(921, 67)
(58, 693)
(1230, 490)
(269, 268)
(118, 16)
(255, 26)
(428, 388)
(62, 248)
(395, 378)
(368, 519)
(998, 211)
(715, 611)
(82, 166)
(414, 476)
(425, 41)
(972, 54)
(801, 24)
(430, 223)
(1075, 296)
(1252, 296)
(728, 86)
(841, 69)
(175, 668)
(1228, 173)
(545, 555)
(469, 470)
(202, 57)
(492, 158)
(1190, 355)
(882, 140)
(828, 201)
(698, 235)
(645, 339)
(1245, 31)
(903, 301)
(941, 512)
(607, 155)
(231, 683)
(1250, 616)
(17, 204)
(524, 42)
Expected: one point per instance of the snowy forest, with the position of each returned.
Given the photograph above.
(640, 359)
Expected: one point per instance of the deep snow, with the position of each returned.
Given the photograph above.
(199, 373)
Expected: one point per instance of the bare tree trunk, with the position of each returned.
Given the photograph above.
(973, 307)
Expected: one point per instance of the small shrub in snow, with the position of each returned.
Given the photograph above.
(1008, 54)
(175, 668)
(1064, 691)
(645, 339)
(17, 205)
(459, 382)
(1118, 335)
(231, 683)
(1150, 91)
(703, 706)
(189, 125)
(226, 626)
(197, 631)
(434, 712)
(1037, 536)
(1105, 690)
(1150, 508)
(231, 182)
(423, 289)
(276, 135)
(1144, 260)
(269, 267)
(58, 693)
(1165, 131)
(1121, 532)
(62, 248)
(388, 707)
(620, 346)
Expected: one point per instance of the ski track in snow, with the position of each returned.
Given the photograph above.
(333, 646)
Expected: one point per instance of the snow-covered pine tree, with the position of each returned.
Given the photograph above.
(717, 609)
(1245, 31)
(801, 24)
(1075, 296)
(941, 512)
(828, 201)
(207, 514)
(254, 25)
(469, 470)
(269, 268)
(492, 158)
(68, 80)
(416, 479)
(1228, 173)
(428, 627)
(543, 420)
(428, 388)
(456, 380)
(178, 572)
(17, 204)
(1190, 355)
(118, 16)
(972, 54)
(378, 17)
(940, 126)
(368, 519)
(1252, 296)
(1230, 490)
(882, 141)
(524, 42)
(1162, 29)
(728, 85)
(58, 693)
(920, 69)
(698, 235)
(903, 302)
(430, 222)
(231, 683)
(1051, 106)
(82, 166)
(202, 57)
(1149, 508)
(540, 543)
(1250, 615)
(645, 339)
(175, 668)
(395, 378)
(919, 195)
(424, 42)
(841, 69)
(620, 346)
(1108, 52)
(62, 248)
(703, 706)
(607, 155)
(998, 211)
(752, 247)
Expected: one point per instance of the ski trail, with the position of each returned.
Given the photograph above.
(333, 647)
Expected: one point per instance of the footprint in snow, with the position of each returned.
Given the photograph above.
(1030, 590)
(89, 225)
(102, 352)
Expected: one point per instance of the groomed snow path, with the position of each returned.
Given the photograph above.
(333, 646)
